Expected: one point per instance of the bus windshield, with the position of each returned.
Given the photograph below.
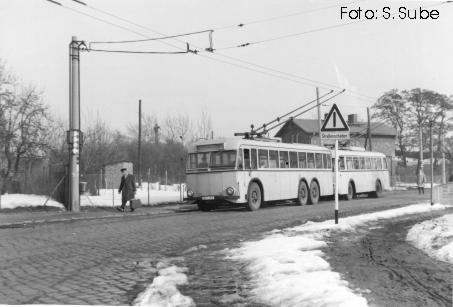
(212, 160)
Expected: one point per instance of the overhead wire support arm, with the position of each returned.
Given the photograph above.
(305, 111)
(296, 109)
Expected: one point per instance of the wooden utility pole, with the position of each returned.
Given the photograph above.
(139, 162)
(319, 116)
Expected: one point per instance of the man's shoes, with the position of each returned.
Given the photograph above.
(132, 209)
(120, 209)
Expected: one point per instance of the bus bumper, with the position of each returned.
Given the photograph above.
(216, 198)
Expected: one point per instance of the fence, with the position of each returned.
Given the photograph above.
(443, 194)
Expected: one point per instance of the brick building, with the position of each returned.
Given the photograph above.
(305, 131)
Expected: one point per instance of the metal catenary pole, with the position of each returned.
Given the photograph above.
(74, 124)
(139, 162)
(336, 181)
(319, 116)
(431, 158)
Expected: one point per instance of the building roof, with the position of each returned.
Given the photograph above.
(310, 126)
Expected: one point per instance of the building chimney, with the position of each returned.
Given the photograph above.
(352, 119)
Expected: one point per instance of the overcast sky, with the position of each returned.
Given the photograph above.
(369, 57)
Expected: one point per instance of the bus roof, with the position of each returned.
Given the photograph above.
(235, 143)
(358, 153)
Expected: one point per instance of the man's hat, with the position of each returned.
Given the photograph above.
(124, 169)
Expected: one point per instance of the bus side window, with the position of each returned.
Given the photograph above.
(356, 163)
(324, 160)
(361, 162)
(263, 158)
(341, 163)
(273, 159)
(318, 160)
(284, 159)
(253, 160)
(379, 163)
(329, 161)
(349, 163)
(311, 160)
(302, 160)
(293, 159)
(367, 163)
(373, 163)
(246, 158)
(384, 163)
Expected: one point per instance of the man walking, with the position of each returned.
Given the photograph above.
(127, 188)
(421, 180)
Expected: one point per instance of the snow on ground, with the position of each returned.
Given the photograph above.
(11, 201)
(111, 198)
(163, 291)
(435, 237)
(288, 267)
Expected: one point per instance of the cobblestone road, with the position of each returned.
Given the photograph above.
(109, 261)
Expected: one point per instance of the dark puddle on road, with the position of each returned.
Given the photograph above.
(217, 281)
(390, 271)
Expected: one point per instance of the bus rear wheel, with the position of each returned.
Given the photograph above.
(302, 194)
(313, 196)
(254, 197)
(378, 192)
(204, 207)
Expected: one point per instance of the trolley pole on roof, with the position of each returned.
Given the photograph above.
(74, 134)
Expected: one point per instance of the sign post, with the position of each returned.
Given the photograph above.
(335, 128)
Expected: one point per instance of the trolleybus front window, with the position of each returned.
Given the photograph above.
(223, 159)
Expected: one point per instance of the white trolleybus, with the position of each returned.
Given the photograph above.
(250, 172)
(362, 172)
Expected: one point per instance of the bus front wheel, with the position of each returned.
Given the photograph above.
(302, 194)
(314, 193)
(254, 197)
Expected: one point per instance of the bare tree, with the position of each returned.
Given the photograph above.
(98, 145)
(148, 134)
(391, 107)
(24, 130)
(177, 128)
(204, 126)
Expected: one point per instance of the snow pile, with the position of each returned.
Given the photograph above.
(435, 237)
(11, 201)
(163, 291)
(110, 198)
(289, 268)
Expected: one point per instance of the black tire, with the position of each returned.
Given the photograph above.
(302, 194)
(313, 196)
(204, 207)
(255, 197)
(351, 191)
(378, 192)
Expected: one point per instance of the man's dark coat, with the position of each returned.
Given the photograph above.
(127, 187)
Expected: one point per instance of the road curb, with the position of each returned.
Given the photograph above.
(32, 223)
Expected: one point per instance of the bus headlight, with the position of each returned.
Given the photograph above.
(230, 190)
(190, 193)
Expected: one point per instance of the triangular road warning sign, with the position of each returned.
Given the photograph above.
(334, 121)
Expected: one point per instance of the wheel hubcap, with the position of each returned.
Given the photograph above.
(254, 197)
